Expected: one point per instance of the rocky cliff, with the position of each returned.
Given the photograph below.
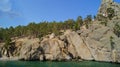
(97, 42)
(85, 44)
(106, 4)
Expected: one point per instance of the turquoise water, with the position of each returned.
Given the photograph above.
(55, 64)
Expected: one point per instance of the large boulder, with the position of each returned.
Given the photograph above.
(53, 49)
(98, 50)
(72, 51)
(78, 46)
(30, 50)
(52, 36)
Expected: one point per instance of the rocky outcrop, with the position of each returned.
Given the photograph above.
(30, 50)
(88, 44)
(98, 51)
(53, 49)
(97, 42)
(78, 44)
(105, 4)
(107, 1)
(94, 43)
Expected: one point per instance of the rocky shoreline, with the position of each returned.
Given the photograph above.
(81, 45)
(98, 42)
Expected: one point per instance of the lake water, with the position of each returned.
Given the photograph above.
(56, 64)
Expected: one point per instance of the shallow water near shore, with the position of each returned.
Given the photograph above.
(56, 64)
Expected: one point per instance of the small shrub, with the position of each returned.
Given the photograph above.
(111, 13)
(117, 29)
(100, 17)
(104, 23)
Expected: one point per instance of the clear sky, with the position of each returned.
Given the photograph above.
(21, 12)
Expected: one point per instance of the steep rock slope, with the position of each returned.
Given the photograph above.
(97, 42)
(105, 4)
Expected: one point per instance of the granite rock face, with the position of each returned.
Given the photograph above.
(53, 49)
(105, 4)
(30, 50)
(106, 1)
(71, 46)
(78, 44)
(97, 42)
(100, 44)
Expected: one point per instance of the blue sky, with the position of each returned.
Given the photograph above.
(21, 12)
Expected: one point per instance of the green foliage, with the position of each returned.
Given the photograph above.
(7, 42)
(103, 19)
(41, 29)
(104, 23)
(18, 31)
(112, 42)
(95, 17)
(110, 13)
(87, 20)
(111, 38)
(78, 23)
(117, 29)
(100, 17)
(1, 34)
